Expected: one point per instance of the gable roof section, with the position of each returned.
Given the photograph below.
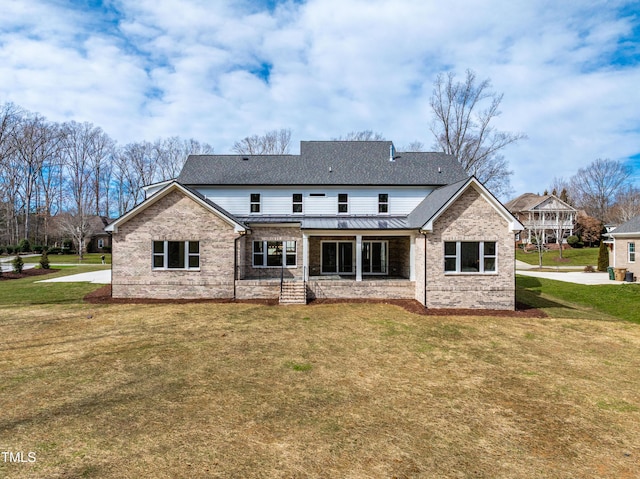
(190, 193)
(531, 201)
(630, 228)
(434, 205)
(326, 163)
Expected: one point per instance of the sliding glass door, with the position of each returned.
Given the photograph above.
(374, 257)
(337, 257)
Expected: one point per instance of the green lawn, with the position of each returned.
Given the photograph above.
(562, 299)
(88, 258)
(329, 390)
(28, 291)
(575, 257)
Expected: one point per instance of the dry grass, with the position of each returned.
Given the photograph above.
(337, 390)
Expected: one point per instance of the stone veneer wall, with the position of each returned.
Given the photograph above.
(374, 289)
(622, 256)
(270, 233)
(470, 218)
(175, 218)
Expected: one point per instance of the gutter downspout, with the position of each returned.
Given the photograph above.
(425, 267)
(235, 263)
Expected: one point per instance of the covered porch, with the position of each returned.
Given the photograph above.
(339, 264)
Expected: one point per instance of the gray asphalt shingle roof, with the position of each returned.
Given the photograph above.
(325, 163)
(432, 204)
(631, 226)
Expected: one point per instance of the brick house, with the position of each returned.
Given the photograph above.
(624, 241)
(340, 220)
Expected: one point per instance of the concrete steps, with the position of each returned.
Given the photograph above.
(293, 292)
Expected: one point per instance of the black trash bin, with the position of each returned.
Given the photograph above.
(628, 277)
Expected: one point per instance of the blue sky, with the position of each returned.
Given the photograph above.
(221, 70)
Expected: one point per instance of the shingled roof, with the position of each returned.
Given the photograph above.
(326, 163)
(630, 227)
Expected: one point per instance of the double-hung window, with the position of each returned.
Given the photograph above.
(297, 202)
(255, 203)
(343, 203)
(176, 255)
(631, 249)
(274, 254)
(383, 203)
(470, 256)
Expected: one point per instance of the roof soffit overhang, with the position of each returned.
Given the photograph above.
(171, 187)
(514, 225)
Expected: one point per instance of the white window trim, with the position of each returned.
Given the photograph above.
(301, 203)
(383, 203)
(353, 259)
(259, 203)
(459, 259)
(165, 256)
(265, 254)
(630, 253)
(343, 203)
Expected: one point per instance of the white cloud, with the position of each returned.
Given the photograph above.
(146, 69)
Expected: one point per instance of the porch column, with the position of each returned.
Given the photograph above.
(358, 257)
(305, 256)
(412, 258)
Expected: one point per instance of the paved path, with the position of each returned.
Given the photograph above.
(95, 277)
(578, 277)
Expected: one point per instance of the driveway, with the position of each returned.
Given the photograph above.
(95, 277)
(578, 277)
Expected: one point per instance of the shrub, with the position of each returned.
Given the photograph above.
(1, 249)
(24, 246)
(9, 249)
(38, 248)
(575, 242)
(106, 249)
(55, 250)
(589, 269)
(603, 257)
(18, 264)
(44, 260)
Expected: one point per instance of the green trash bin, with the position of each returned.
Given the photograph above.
(611, 273)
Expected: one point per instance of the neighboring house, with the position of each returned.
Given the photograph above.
(100, 240)
(97, 241)
(340, 220)
(546, 216)
(625, 240)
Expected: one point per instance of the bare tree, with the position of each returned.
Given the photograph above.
(275, 142)
(364, 135)
(35, 142)
(627, 204)
(414, 146)
(596, 186)
(462, 128)
(10, 119)
(171, 153)
(537, 228)
(79, 227)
